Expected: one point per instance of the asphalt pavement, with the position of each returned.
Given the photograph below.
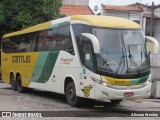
(55, 105)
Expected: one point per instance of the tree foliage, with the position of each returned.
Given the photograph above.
(18, 14)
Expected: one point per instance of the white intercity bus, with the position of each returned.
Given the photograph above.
(96, 57)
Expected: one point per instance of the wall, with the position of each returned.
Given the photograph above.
(157, 29)
(131, 15)
(157, 11)
(76, 2)
(156, 32)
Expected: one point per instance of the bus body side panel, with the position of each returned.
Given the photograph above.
(53, 84)
(66, 66)
(87, 85)
(22, 63)
(43, 67)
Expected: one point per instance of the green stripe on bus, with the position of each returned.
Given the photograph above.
(44, 66)
(59, 24)
(143, 79)
(139, 80)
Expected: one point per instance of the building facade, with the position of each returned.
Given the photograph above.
(128, 12)
(138, 13)
(151, 30)
(76, 2)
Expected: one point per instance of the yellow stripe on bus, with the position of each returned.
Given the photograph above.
(115, 81)
(106, 21)
(35, 28)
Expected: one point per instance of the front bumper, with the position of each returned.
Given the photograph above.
(103, 93)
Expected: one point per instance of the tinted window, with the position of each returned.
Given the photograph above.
(22, 43)
(87, 53)
(55, 39)
(78, 30)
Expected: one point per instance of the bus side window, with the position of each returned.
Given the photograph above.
(88, 54)
(42, 42)
(31, 42)
(14, 44)
(59, 38)
(5, 46)
(23, 43)
(65, 38)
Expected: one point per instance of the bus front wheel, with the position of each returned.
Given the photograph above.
(13, 82)
(71, 97)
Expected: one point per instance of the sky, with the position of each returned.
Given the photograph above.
(92, 3)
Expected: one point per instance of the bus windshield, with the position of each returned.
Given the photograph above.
(121, 51)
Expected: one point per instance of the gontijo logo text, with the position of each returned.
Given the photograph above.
(21, 59)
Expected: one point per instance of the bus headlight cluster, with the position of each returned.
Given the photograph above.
(104, 83)
(147, 82)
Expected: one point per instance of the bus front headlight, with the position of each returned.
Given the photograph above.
(104, 83)
(147, 82)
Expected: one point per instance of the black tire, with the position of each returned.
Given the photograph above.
(116, 101)
(13, 82)
(19, 85)
(71, 97)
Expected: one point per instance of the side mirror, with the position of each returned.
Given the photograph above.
(155, 42)
(94, 41)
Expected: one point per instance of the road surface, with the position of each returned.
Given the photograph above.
(34, 100)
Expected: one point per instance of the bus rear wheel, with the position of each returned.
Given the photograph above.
(116, 101)
(71, 97)
(19, 85)
(13, 82)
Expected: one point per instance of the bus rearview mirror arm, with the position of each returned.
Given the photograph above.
(94, 41)
(156, 44)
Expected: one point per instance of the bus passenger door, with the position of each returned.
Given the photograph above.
(86, 83)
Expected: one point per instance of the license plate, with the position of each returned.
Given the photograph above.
(128, 94)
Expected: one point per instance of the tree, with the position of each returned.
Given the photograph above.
(19, 14)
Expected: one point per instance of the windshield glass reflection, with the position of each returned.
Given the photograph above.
(121, 51)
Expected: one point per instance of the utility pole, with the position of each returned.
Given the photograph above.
(152, 20)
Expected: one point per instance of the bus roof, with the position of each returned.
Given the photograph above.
(107, 21)
(99, 21)
(38, 27)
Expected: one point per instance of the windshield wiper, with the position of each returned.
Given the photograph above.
(132, 60)
(120, 62)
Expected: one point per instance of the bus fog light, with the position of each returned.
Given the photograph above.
(105, 93)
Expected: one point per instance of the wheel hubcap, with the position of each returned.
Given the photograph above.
(19, 85)
(71, 94)
(12, 81)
